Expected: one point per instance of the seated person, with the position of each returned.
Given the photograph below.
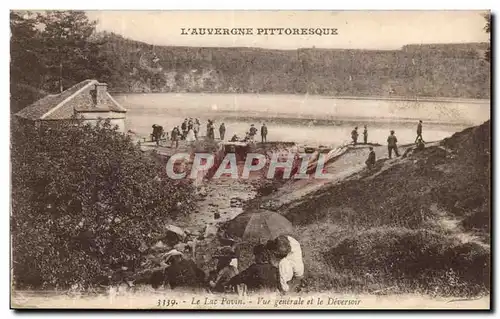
(290, 266)
(224, 272)
(261, 275)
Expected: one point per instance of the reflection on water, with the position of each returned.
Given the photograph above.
(304, 119)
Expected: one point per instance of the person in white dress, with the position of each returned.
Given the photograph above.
(190, 137)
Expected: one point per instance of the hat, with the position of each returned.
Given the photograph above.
(224, 252)
(173, 252)
(392, 131)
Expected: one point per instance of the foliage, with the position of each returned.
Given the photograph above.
(51, 51)
(84, 200)
(454, 70)
(63, 47)
(487, 29)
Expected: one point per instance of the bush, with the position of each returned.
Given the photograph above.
(84, 200)
(422, 260)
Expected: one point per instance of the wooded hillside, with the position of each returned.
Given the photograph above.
(67, 50)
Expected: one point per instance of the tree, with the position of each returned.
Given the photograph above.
(487, 29)
(51, 51)
(25, 67)
(70, 54)
(84, 200)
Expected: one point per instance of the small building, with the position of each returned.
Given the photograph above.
(88, 99)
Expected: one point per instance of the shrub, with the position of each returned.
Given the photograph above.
(84, 200)
(421, 259)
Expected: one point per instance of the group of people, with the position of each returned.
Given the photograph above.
(252, 132)
(189, 131)
(392, 145)
(355, 134)
(277, 267)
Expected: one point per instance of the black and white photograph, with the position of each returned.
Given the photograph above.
(250, 160)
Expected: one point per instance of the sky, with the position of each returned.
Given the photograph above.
(356, 29)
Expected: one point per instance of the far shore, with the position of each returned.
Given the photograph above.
(342, 97)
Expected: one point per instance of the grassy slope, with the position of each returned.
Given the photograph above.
(420, 223)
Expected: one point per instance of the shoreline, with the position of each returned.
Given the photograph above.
(340, 97)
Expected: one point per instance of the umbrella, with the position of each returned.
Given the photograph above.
(258, 226)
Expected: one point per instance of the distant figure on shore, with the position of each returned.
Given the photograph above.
(253, 132)
(222, 131)
(190, 138)
(419, 132)
(354, 135)
(157, 133)
(392, 144)
(365, 135)
(247, 137)
(175, 137)
(196, 128)
(370, 162)
(263, 133)
(210, 130)
(235, 138)
(184, 128)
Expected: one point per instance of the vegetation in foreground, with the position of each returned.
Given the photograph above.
(86, 202)
(418, 224)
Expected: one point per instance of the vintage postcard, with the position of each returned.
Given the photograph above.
(250, 159)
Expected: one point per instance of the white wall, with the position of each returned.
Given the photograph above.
(115, 118)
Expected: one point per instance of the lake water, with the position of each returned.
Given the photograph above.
(313, 120)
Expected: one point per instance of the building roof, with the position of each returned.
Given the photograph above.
(63, 105)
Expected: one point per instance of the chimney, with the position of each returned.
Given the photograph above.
(99, 94)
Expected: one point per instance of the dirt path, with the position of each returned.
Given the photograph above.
(224, 196)
(452, 226)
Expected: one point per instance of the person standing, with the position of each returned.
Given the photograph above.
(196, 128)
(190, 138)
(365, 135)
(222, 131)
(210, 130)
(184, 128)
(253, 132)
(263, 133)
(159, 134)
(419, 132)
(354, 135)
(392, 144)
(175, 137)
(370, 162)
